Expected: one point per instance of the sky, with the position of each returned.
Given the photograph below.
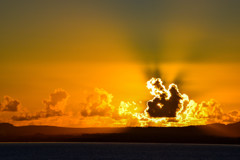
(118, 46)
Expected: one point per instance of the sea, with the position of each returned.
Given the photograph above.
(117, 151)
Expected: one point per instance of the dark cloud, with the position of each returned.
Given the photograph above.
(54, 106)
(163, 106)
(9, 104)
(170, 103)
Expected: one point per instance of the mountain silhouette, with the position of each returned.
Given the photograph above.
(212, 133)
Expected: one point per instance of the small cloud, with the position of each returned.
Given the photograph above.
(9, 104)
(57, 100)
(98, 104)
(54, 106)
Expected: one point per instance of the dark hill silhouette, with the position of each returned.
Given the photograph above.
(213, 133)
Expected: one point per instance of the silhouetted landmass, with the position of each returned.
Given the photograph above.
(214, 133)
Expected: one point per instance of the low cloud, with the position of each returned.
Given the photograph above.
(163, 106)
(54, 106)
(168, 108)
(166, 102)
(9, 104)
(98, 104)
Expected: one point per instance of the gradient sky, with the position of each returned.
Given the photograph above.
(118, 45)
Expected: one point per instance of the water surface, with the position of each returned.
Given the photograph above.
(116, 151)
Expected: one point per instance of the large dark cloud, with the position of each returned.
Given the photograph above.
(170, 103)
(166, 102)
(164, 107)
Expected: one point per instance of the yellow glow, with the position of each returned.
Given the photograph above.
(126, 82)
(189, 113)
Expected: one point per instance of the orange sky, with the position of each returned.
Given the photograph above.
(80, 46)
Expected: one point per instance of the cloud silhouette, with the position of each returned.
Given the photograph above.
(171, 104)
(166, 102)
(163, 106)
(168, 108)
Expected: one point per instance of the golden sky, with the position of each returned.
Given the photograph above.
(118, 46)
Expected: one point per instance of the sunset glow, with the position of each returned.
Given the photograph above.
(119, 63)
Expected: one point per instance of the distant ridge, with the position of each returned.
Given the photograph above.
(6, 125)
(212, 133)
